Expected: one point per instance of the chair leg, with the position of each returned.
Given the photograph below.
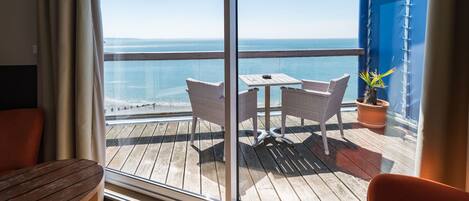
(302, 122)
(194, 125)
(324, 138)
(341, 127)
(284, 119)
(254, 128)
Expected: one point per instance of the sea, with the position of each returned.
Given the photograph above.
(136, 87)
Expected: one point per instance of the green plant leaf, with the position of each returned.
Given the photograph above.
(389, 72)
(365, 76)
(380, 84)
(374, 79)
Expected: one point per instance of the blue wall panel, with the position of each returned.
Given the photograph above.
(388, 50)
(417, 49)
(362, 42)
(390, 54)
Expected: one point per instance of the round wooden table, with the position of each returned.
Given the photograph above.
(72, 179)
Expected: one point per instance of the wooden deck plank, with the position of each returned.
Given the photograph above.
(217, 140)
(114, 132)
(192, 171)
(111, 150)
(390, 141)
(297, 182)
(354, 153)
(160, 170)
(274, 172)
(262, 182)
(323, 182)
(209, 179)
(387, 147)
(301, 187)
(354, 150)
(145, 167)
(392, 146)
(247, 188)
(136, 155)
(351, 175)
(386, 163)
(392, 135)
(178, 159)
(107, 129)
(127, 146)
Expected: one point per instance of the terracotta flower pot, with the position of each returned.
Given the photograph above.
(372, 116)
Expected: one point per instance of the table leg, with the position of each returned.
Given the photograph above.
(267, 108)
(268, 133)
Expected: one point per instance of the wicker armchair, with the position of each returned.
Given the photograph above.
(208, 103)
(317, 101)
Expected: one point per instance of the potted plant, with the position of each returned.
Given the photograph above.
(371, 110)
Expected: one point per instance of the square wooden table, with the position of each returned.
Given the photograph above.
(277, 79)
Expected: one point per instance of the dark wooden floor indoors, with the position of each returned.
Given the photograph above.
(272, 171)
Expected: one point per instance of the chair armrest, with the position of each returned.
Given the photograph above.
(387, 187)
(315, 85)
(306, 91)
(250, 91)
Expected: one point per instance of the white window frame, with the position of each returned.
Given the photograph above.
(231, 100)
(165, 192)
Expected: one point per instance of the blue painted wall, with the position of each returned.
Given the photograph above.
(387, 50)
(417, 50)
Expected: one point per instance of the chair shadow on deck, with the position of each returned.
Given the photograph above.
(303, 158)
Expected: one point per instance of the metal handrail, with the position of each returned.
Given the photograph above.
(138, 56)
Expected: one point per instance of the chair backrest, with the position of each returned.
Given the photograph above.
(337, 89)
(20, 137)
(207, 100)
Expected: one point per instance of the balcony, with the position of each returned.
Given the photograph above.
(152, 142)
(148, 112)
(161, 152)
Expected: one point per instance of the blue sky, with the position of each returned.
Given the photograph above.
(204, 18)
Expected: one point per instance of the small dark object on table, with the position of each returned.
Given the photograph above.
(267, 76)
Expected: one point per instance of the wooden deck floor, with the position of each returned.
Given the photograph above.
(273, 171)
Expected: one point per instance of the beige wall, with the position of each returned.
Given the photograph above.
(17, 32)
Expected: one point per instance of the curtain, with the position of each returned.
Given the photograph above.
(443, 130)
(70, 63)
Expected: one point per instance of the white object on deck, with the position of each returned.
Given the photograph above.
(208, 103)
(317, 101)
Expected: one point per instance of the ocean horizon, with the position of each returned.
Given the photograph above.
(159, 86)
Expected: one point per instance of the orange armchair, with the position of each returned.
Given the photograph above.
(389, 187)
(20, 137)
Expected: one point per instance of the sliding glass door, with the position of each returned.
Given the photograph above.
(195, 113)
(315, 137)
(302, 60)
(170, 97)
